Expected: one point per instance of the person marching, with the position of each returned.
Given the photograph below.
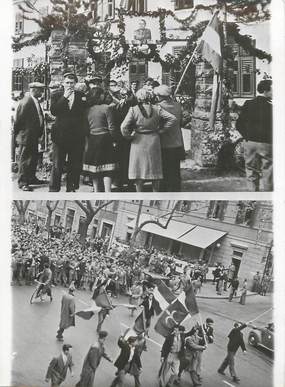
(92, 361)
(67, 314)
(234, 287)
(128, 359)
(171, 353)
(58, 367)
(235, 341)
(45, 277)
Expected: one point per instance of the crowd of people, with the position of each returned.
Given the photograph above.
(115, 137)
(64, 260)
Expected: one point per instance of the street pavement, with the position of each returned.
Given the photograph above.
(34, 343)
(190, 183)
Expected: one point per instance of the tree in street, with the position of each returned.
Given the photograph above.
(21, 206)
(51, 206)
(158, 221)
(90, 211)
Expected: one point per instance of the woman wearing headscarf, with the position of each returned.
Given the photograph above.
(100, 158)
(144, 124)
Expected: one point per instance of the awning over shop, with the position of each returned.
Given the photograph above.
(173, 231)
(201, 237)
(189, 234)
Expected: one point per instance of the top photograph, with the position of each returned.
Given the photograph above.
(141, 96)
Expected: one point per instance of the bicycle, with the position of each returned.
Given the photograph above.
(39, 293)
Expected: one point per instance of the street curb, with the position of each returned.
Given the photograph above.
(224, 298)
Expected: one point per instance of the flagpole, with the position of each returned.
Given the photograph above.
(185, 70)
(201, 323)
(262, 314)
(191, 59)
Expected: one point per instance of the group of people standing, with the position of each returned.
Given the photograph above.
(112, 137)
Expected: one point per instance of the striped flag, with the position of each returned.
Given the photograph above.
(210, 44)
(163, 297)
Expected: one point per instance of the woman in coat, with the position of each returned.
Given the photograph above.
(100, 157)
(243, 292)
(92, 361)
(143, 125)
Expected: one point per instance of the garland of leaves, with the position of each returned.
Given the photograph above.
(39, 71)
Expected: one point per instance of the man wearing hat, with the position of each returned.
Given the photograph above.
(28, 128)
(68, 134)
(67, 314)
(92, 361)
(172, 147)
(58, 366)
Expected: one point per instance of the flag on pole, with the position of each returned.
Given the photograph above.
(101, 298)
(210, 46)
(188, 299)
(138, 328)
(174, 314)
(87, 313)
(163, 295)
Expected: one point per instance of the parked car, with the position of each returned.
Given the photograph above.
(263, 337)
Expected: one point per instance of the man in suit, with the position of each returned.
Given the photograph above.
(68, 134)
(255, 125)
(149, 308)
(67, 312)
(58, 366)
(28, 128)
(235, 341)
(127, 361)
(171, 353)
(142, 34)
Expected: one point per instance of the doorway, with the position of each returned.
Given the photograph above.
(237, 263)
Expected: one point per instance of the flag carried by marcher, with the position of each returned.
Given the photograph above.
(174, 314)
(87, 313)
(138, 328)
(210, 46)
(101, 298)
(163, 297)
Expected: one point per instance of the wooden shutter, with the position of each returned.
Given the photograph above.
(247, 76)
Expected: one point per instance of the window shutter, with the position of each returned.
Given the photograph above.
(247, 69)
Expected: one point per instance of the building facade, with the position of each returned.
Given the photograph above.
(225, 232)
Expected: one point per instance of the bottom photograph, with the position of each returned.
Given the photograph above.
(142, 293)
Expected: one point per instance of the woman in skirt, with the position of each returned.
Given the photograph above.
(100, 158)
(143, 125)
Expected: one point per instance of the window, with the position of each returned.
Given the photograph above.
(19, 24)
(217, 209)
(244, 80)
(172, 78)
(17, 82)
(57, 220)
(185, 206)
(69, 219)
(135, 5)
(111, 8)
(246, 213)
(182, 4)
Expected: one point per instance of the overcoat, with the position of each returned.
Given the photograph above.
(67, 318)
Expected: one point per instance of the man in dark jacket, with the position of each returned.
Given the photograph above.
(28, 128)
(68, 134)
(149, 308)
(67, 312)
(171, 353)
(58, 366)
(255, 125)
(235, 341)
(128, 359)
